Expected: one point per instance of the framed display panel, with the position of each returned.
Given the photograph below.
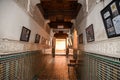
(43, 40)
(111, 18)
(37, 38)
(90, 33)
(80, 39)
(25, 34)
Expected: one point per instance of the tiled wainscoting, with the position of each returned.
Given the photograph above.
(99, 67)
(20, 60)
(21, 66)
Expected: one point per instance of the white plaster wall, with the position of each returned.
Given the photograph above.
(95, 18)
(12, 18)
(101, 45)
(106, 2)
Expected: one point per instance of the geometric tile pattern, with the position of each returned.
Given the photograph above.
(99, 67)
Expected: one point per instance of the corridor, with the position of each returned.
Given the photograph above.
(59, 39)
(57, 69)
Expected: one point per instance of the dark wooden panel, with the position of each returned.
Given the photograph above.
(65, 24)
(59, 11)
(61, 35)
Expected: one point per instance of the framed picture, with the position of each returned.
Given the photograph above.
(111, 18)
(90, 33)
(43, 41)
(25, 34)
(80, 39)
(37, 38)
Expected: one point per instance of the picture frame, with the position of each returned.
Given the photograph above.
(111, 18)
(81, 38)
(25, 34)
(37, 38)
(90, 33)
(43, 41)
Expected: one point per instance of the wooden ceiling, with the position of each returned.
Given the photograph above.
(61, 35)
(59, 12)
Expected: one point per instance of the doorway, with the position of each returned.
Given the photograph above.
(60, 48)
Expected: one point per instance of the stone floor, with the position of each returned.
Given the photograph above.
(57, 69)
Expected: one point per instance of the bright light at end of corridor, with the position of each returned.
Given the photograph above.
(60, 44)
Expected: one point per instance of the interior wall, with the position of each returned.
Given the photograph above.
(101, 45)
(13, 18)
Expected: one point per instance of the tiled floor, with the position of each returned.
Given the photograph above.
(57, 69)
